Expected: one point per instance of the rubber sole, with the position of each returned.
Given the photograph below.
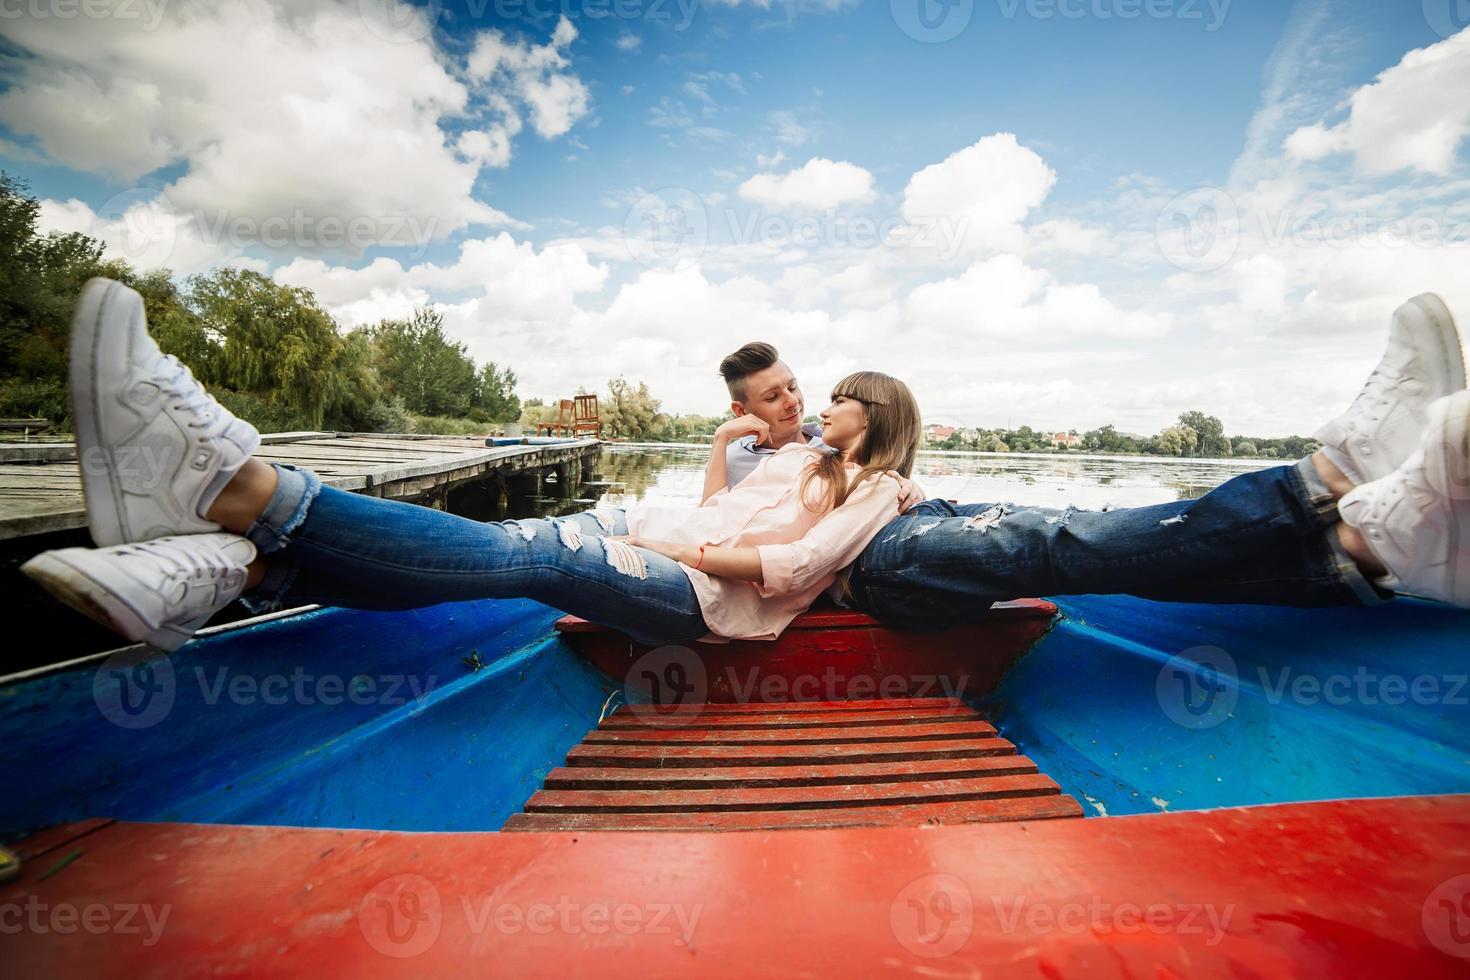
(81, 592)
(1451, 346)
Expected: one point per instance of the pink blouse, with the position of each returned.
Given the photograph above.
(801, 550)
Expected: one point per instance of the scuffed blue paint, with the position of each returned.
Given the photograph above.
(1085, 703)
(464, 756)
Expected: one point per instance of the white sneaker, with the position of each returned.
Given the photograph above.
(1417, 519)
(155, 449)
(159, 592)
(1385, 423)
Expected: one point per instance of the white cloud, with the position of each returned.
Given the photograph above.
(280, 110)
(773, 160)
(986, 189)
(510, 280)
(630, 42)
(1002, 297)
(1414, 116)
(817, 185)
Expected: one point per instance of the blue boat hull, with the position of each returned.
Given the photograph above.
(449, 718)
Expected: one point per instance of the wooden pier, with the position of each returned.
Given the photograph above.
(41, 491)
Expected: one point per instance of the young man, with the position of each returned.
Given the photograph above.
(1382, 508)
(768, 408)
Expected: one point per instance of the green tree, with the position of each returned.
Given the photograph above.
(1244, 448)
(419, 364)
(277, 342)
(496, 393)
(1177, 440)
(1211, 433)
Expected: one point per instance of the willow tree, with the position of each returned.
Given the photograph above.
(275, 340)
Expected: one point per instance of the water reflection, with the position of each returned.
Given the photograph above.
(675, 475)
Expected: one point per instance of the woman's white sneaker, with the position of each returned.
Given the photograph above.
(158, 592)
(1416, 520)
(155, 449)
(1383, 426)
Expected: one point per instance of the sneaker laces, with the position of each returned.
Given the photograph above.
(1378, 392)
(178, 382)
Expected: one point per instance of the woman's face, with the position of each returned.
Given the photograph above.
(844, 422)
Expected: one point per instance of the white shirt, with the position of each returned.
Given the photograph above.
(742, 455)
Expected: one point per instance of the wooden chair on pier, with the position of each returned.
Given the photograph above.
(586, 418)
(565, 415)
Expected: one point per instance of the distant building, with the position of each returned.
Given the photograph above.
(938, 433)
(1069, 439)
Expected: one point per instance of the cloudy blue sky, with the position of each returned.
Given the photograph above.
(1055, 212)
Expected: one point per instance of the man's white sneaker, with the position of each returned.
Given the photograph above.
(1384, 424)
(1416, 520)
(155, 449)
(159, 592)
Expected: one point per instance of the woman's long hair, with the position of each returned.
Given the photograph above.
(890, 443)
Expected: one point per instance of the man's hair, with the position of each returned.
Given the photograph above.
(743, 363)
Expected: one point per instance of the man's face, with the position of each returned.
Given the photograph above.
(773, 396)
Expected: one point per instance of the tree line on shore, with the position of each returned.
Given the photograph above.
(1195, 435)
(272, 354)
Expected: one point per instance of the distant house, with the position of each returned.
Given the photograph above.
(1069, 439)
(938, 433)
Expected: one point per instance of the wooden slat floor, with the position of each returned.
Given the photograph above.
(900, 762)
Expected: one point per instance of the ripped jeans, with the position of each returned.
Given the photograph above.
(335, 548)
(1264, 537)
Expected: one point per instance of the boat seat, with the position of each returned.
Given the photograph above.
(853, 654)
(850, 763)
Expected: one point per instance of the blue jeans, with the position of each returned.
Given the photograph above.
(334, 548)
(1263, 537)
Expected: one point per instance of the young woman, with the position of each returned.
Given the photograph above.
(188, 520)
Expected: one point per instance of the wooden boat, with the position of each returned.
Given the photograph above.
(1095, 787)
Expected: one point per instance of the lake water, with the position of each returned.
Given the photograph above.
(631, 473)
